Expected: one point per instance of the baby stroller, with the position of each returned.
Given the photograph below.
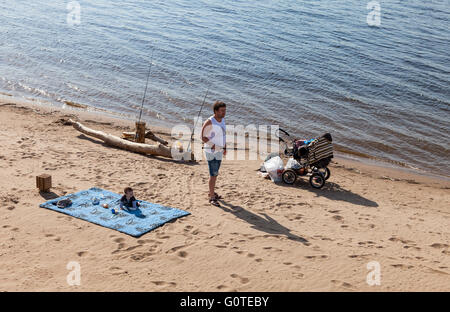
(312, 156)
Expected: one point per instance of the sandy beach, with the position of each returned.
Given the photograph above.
(265, 237)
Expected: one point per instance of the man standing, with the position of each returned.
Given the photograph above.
(214, 139)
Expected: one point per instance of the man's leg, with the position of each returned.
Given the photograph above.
(212, 185)
(214, 166)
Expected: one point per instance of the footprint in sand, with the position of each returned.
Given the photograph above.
(117, 271)
(439, 245)
(402, 266)
(243, 280)
(187, 228)
(132, 247)
(173, 249)
(53, 236)
(140, 256)
(359, 257)
(120, 246)
(317, 257)
(342, 284)
(413, 247)
(163, 283)
(144, 241)
(298, 275)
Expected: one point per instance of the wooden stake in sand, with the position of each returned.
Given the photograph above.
(140, 131)
(156, 149)
(148, 135)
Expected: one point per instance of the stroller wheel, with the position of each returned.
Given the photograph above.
(326, 172)
(317, 180)
(289, 176)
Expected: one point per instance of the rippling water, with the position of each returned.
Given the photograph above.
(309, 66)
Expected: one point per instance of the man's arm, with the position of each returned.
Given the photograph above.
(207, 123)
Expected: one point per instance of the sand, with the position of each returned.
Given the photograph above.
(265, 237)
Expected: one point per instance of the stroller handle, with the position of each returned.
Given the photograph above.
(285, 132)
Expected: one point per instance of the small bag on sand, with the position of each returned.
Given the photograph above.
(292, 164)
(275, 167)
(64, 203)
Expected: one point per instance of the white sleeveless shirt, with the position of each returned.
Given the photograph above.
(216, 135)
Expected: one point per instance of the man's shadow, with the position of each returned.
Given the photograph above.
(266, 224)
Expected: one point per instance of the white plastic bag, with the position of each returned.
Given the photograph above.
(274, 167)
(292, 164)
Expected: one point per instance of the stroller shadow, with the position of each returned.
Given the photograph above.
(266, 224)
(334, 191)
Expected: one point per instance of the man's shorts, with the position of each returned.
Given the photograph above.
(214, 162)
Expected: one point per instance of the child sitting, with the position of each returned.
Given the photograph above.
(128, 202)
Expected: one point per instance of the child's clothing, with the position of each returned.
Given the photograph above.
(132, 203)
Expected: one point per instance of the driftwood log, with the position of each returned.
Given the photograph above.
(156, 149)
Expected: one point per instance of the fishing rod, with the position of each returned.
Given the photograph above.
(145, 92)
(198, 116)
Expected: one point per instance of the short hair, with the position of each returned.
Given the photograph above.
(218, 104)
(127, 189)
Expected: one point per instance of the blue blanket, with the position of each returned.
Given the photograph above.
(136, 223)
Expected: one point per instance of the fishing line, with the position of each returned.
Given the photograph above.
(198, 116)
(146, 87)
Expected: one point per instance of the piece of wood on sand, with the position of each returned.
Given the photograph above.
(44, 182)
(155, 149)
(148, 135)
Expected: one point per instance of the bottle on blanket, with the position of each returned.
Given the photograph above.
(128, 201)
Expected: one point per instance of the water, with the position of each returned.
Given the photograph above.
(309, 66)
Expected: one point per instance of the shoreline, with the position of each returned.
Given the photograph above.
(104, 115)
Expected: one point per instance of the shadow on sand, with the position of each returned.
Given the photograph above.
(266, 224)
(333, 191)
(48, 195)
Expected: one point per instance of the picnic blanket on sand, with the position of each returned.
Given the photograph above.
(136, 223)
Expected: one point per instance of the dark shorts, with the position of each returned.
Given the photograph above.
(214, 165)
